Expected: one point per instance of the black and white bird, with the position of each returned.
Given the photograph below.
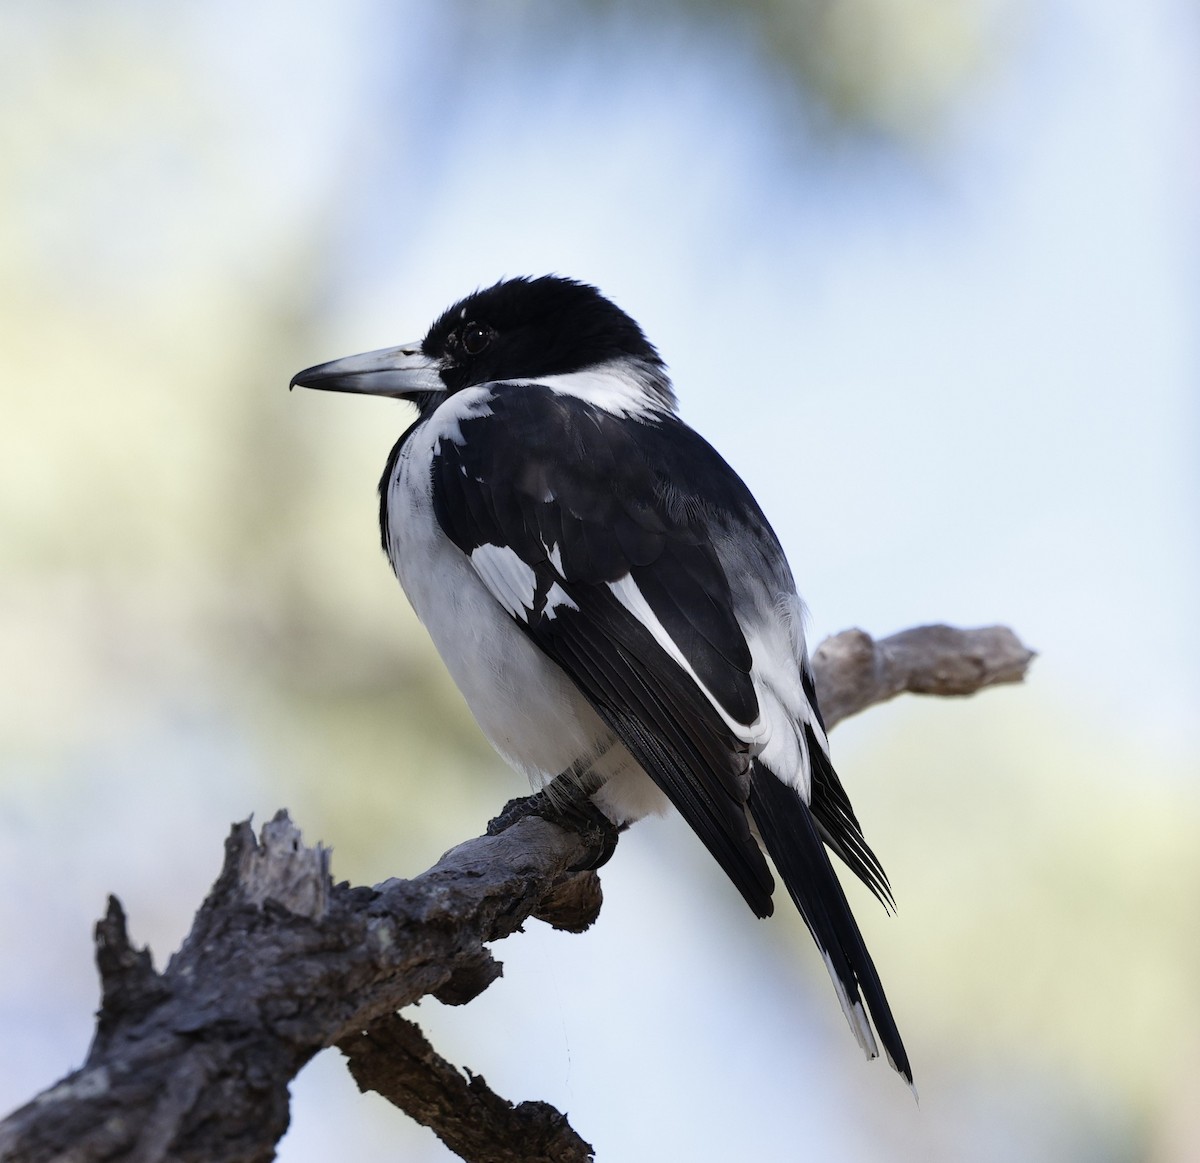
(610, 599)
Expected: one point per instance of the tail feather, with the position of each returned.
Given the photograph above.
(791, 837)
(839, 827)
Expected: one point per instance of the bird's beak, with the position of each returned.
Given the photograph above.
(402, 372)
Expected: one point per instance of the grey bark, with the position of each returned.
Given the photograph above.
(193, 1063)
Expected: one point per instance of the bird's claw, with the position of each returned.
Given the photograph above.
(572, 813)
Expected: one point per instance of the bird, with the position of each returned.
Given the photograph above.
(611, 600)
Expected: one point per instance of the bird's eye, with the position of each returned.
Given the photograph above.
(475, 338)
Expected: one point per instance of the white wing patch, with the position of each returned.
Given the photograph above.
(626, 591)
(509, 579)
(513, 583)
(555, 598)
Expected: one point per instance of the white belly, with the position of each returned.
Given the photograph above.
(529, 710)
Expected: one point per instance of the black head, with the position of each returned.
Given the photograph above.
(521, 328)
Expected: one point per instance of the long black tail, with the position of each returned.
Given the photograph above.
(790, 835)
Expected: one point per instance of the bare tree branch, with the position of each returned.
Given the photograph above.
(394, 1059)
(193, 1063)
(854, 671)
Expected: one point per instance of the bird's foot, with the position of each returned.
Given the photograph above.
(571, 808)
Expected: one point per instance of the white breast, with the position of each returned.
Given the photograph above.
(529, 711)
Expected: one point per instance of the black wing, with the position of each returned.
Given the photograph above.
(613, 517)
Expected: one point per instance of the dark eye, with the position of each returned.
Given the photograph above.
(475, 337)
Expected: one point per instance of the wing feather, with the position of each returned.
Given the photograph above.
(677, 740)
(627, 528)
(668, 667)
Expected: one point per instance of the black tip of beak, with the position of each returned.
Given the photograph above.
(302, 379)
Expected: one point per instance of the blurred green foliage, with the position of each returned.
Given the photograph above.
(899, 69)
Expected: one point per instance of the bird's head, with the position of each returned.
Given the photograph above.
(519, 329)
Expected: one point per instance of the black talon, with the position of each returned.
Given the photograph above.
(570, 807)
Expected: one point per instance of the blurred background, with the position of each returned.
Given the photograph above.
(926, 273)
